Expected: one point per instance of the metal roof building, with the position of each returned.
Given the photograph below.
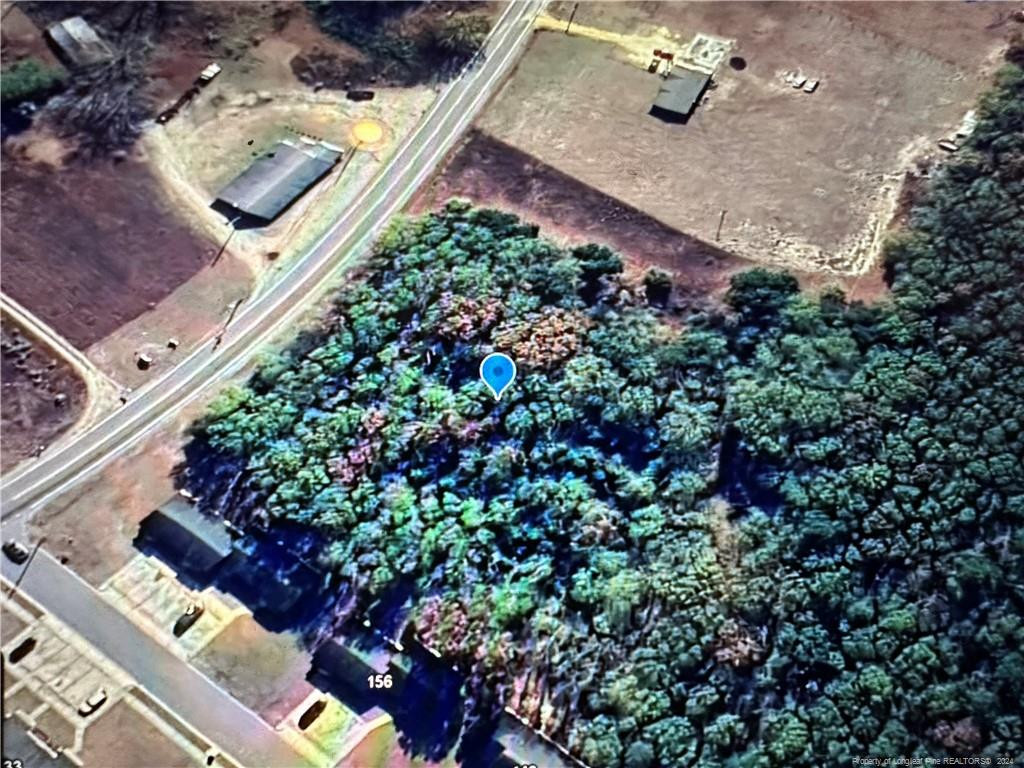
(278, 178)
(77, 42)
(679, 94)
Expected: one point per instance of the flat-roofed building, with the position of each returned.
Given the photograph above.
(77, 43)
(277, 179)
(679, 94)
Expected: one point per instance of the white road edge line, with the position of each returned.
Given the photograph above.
(232, 366)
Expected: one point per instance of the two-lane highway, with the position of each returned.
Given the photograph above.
(296, 289)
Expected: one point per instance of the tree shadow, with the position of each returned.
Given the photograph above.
(743, 481)
(424, 696)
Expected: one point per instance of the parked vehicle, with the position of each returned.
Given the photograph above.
(25, 647)
(94, 702)
(312, 713)
(16, 551)
(188, 618)
(209, 72)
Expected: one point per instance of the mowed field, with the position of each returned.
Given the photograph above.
(807, 181)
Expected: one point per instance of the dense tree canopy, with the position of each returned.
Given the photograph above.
(404, 41)
(784, 535)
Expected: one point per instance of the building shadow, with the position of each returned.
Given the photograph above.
(284, 593)
(241, 220)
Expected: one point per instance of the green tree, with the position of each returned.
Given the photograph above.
(28, 79)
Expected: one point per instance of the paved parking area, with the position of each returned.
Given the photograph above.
(48, 684)
(148, 592)
(54, 670)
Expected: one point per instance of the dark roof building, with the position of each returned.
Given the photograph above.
(679, 94)
(278, 178)
(77, 43)
(187, 538)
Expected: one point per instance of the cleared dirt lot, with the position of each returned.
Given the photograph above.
(41, 397)
(807, 180)
(194, 311)
(89, 247)
(491, 173)
(91, 527)
(208, 144)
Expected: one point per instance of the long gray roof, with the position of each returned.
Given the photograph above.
(680, 90)
(278, 178)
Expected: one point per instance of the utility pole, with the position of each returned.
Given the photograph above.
(231, 316)
(228, 240)
(17, 582)
(721, 219)
(347, 160)
(571, 17)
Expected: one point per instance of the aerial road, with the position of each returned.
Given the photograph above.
(301, 285)
(191, 695)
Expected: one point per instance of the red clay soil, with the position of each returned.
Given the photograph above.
(21, 38)
(39, 399)
(89, 247)
(490, 172)
(196, 34)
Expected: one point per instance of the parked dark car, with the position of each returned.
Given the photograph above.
(16, 551)
(25, 647)
(312, 713)
(188, 618)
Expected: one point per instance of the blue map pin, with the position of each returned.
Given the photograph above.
(498, 372)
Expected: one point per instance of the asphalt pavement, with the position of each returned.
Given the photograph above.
(220, 717)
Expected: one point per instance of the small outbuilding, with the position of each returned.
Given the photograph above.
(680, 92)
(77, 43)
(277, 179)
